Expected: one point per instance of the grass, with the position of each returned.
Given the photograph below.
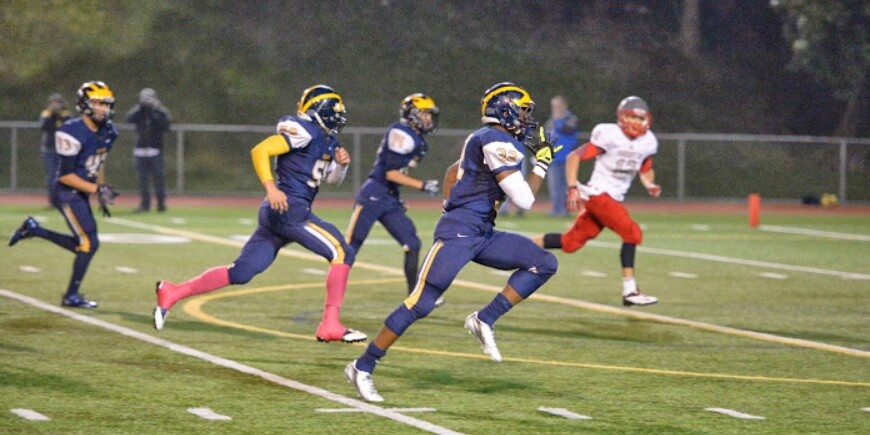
(592, 363)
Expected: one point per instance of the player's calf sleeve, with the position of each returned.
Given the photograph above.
(336, 286)
(210, 280)
(367, 361)
(80, 267)
(626, 254)
(496, 308)
(552, 241)
(412, 261)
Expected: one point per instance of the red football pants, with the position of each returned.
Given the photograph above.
(601, 211)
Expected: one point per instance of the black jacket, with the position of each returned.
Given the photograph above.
(151, 124)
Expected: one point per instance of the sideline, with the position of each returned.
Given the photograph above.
(812, 232)
(590, 306)
(193, 307)
(233, 365)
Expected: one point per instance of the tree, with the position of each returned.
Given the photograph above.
(829, 41)
(690, 28)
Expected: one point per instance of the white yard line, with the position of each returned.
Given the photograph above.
(29, 414)
(208, 414)
(562, 412)
(812, 232)
(684, 275)
(312, 271)
(29, 269)
(402, 410)
(593, 274)
(735, 414)
(591, 306)
(126, 269)
(773, 275)
(233, 365)
(865, 409)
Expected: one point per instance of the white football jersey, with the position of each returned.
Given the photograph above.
(622, 158)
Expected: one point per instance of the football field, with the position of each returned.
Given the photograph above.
(757, 331)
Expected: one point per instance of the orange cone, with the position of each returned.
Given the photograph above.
(754, 209)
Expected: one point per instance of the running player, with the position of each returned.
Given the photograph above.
(402, 147)
(82, 144)
(620, 151)
(487, 170)
(308, 152)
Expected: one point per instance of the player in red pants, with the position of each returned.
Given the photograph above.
(308, 152)
(620, 151)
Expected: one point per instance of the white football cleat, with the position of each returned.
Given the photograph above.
(484, 334)
(363, 383)
(440, 301)
(160, 317)
(638, 298)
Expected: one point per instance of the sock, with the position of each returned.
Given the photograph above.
(412, 259)
(629, 286)
(336, 285)
(367, 361)
(80, 266)
(64, 241)
(626, 254)
(496, 308)
(212, 279)
(552, 241)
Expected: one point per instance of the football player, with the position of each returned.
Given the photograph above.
(308, 152)
(402, 147)
(82, 144)
(475, 186)
(621, 151)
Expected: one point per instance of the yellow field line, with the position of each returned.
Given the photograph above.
(194, 309)
(590, 306)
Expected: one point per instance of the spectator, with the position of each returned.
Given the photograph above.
(51, 118)
(152, 122)
(563, 128)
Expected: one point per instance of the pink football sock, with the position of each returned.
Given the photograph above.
(212, 279)
(336, 285)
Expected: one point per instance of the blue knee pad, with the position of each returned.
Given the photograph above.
(526, 281)
(241, 272)
(402, 317)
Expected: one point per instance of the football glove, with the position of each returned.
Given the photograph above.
(574, 202)
(106, 196)
(542, 148)
(430, 187)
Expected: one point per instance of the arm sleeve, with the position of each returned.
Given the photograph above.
(647, 164)
(335, 173)
(261, 155)
(518, 190)
(588, 151)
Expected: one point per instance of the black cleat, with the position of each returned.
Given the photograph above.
(23, 231)
(78, 301)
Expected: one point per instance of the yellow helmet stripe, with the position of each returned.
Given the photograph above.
(424, 103)
(526, 99)
(320, 97)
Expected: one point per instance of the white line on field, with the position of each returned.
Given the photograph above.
(230, 364)
(562, 412)
(246, 221)
(685, 275)
(590, 306)
(501, 272)
(178, 220)
(593, 274)
(812, 232)
(29, 414)
(773, 275)
(701, 227)
(735, 414)
(402, 410)
(312, 271)
(29, 269)
(208, 414)
(865, 409)
(40, 218)
(125, 269)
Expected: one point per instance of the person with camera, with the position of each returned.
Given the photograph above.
(152, 122)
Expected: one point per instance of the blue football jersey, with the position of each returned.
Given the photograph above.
(89, 148)
(476, 195)
(401, 148)
(311, 158)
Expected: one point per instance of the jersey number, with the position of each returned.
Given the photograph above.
(318, 173)
(94, 163)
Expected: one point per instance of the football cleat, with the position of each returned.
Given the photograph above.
(638, 298)
(78, 301)
(23, 231)
(344, 335)
(160, 317)
(440, 301)
(363, 383)
(484, 334)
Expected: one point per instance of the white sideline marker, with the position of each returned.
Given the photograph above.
(593, 274)
(233, 365)
(773, 275)
(208, 414)
(865, 409)
(701, 227)
(240, 237)
(501, 272)
(402, 410)
(812, 232)
(178, 221)
(29, 414)
(562, 412)
(685, 275)
(246, 221)
(127, 270)
(735, 414)
(312, 271)
(29, 269)
(40, 218)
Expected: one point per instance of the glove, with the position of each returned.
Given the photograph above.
(654, 190)
(106, 196)
(540, 146)
(574, 202)
(430, 187)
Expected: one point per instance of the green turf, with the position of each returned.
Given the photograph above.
(93, 381)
